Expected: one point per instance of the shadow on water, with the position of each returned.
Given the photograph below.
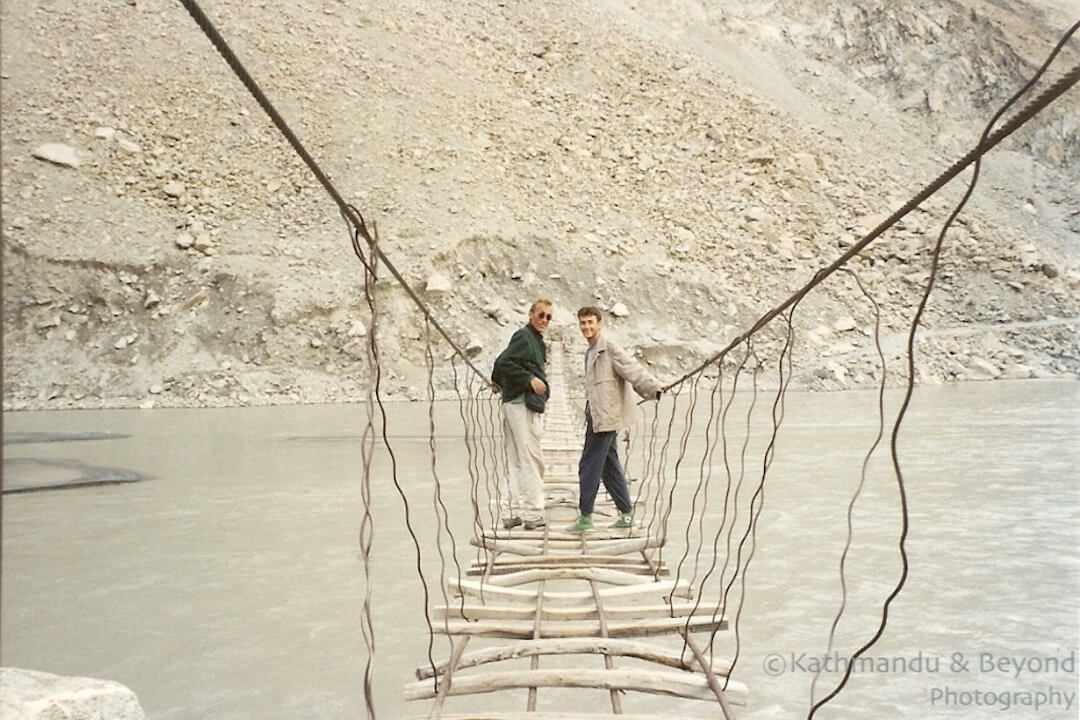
(23, 475)
(20, 438)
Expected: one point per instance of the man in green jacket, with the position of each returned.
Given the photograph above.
(519, 370)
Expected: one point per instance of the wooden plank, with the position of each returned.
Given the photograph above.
(604, 546)
(550, 560)
(582, 612)
(618, 647)
(521, 715)
(718, 691)
(582, 628)
(662, 589)
(555, 533)
(605, 575)
(658, 682)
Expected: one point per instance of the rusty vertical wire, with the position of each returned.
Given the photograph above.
(442, 514)
(725, 407)
(702, 488)
(483, 469)
(660, 468)
(719, 391)
(722, 437)
(645, 482)
(470, 452)
(499, 469)
(467, 439)
(367, 454)
(862, 480)
(688, 427)
(720, 610)
(770, 452)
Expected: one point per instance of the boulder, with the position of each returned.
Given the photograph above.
(31, 695)
(438, 284)
(57, 154)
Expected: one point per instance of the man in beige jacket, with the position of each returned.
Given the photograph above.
(610, 373)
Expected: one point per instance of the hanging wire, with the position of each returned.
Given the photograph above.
(862, 477)
(986, 141)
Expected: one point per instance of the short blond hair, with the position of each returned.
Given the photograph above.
(538, 303)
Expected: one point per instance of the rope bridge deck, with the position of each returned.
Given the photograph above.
(602, 593)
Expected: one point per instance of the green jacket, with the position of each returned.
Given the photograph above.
(522, 360)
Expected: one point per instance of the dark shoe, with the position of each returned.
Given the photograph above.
(511, 522)
(534, 524)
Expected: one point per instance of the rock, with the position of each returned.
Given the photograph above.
(50, 322)
(619, 310)
(845, 324)
(105, 133)
(151, 299)
(316, 342)
(357, 349)
(31, 695)
(496, 313)
(197, 299)
(57, 154)
(761, 156)
(837, 371)
(438, 283)
(203, 243)
(474, 348)
(755, 214)
(1018, 372)
(185, 241)
(980, 369)
(805, 163)
(357, 329)
(173, 189)
(129, 146)
(156, 389)
(125, 341)
(1049, 271)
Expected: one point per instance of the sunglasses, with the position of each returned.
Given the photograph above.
(543, 316)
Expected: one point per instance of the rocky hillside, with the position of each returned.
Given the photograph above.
(683, 164)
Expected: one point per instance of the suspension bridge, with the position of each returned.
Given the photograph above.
(602, 610)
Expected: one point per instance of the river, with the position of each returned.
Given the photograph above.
(217, 572)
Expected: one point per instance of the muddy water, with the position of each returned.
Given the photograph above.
(217, 573)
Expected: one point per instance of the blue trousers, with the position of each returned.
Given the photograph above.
(600, 463)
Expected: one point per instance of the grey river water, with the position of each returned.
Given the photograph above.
(216, 570)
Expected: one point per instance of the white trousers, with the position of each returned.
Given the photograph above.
(525, 458)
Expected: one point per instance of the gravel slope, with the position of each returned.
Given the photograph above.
(691, 162)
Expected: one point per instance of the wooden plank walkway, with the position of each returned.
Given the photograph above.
(574, 595)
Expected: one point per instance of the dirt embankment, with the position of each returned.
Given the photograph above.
(683, 164)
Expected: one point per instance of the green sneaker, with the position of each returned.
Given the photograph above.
(584, 522)
(626, 520)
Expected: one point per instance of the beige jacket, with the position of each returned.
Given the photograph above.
(608, 386)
